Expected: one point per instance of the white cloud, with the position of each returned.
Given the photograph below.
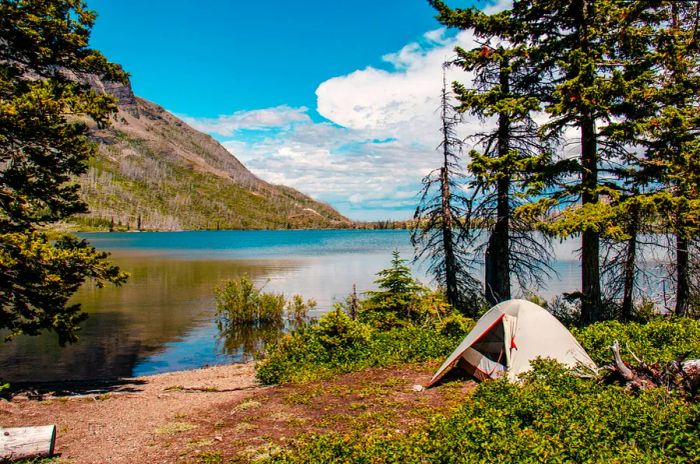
(267, 118)
(379, 141)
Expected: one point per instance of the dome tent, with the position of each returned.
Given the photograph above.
(508, 337)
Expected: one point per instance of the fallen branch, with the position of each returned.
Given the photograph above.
(677, 375)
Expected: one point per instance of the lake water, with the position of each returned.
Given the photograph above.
(162, 319)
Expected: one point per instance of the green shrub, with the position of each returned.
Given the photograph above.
(455, 325)
(551, 417)
(660, 339)
(298, 309)
(337, 344)
(240, 302)
(336, 331)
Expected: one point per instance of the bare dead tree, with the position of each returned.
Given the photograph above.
(440, 234)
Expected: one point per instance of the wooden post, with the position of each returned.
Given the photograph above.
(27, 442)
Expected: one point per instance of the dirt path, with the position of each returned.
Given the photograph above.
(218, 414)
(128, 424)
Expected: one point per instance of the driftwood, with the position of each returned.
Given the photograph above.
(680, 375)
(27, 442)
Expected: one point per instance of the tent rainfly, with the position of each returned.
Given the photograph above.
(508, 337)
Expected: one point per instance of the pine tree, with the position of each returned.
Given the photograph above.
(672, 132)
(505, 90)
(43, 145)
(439, 234)
(569, 43)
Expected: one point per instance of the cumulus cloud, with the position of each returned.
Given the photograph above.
(377, 142)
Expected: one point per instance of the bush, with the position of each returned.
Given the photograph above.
(336, 331)
(337, 344)
(403, 322)
(660, 339)
(298, 309)
(240, 302)
(551, 417)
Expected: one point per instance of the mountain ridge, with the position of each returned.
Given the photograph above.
(152, 171)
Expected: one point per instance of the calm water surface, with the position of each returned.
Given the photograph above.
(162, 319)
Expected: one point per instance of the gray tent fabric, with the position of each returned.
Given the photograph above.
(508, 337)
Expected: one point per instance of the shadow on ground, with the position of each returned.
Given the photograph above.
(42, 390)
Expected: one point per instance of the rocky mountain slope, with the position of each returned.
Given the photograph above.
(154, 172)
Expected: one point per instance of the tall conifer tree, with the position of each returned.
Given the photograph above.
(504, 90)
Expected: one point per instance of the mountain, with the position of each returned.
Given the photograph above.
(154, 172)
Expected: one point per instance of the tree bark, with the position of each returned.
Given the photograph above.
(682, 275)
(590, 239)
(497, 261)
(630, 265)
(451, 288)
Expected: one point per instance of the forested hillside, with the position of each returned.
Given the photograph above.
(154, 172)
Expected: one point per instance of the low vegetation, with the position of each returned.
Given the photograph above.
(659, 340)
(551, 417)
(240, 302)
(401, 322)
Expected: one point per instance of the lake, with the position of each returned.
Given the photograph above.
(162, 319)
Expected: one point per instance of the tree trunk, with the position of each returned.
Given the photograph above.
(590, 239)
(497, 261)
(682, 275)
(451, 288)
(630, 265)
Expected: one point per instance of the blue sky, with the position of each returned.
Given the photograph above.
(336, 99)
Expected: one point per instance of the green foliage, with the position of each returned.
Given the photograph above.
(454, 326)
(658, 340)
(398, 289)
(337, 344)
(298, 309)
(4, 389)
(336, 332)
(41, 275)
(43, 145)
(552, 417)
(240, 302)
(398, 300)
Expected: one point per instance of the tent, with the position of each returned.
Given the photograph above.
(508, 337)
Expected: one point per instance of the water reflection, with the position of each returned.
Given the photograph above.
(246, 342)
(133, 329)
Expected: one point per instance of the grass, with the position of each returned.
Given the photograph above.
(246, 405)
(173, 428)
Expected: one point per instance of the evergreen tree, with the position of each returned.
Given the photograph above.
(569, 43)
(672, 132)
(504, 89)
(656, 83)
(397, 299)
(439, 233)
(43, 145)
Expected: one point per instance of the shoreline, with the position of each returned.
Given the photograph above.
(96, 387)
